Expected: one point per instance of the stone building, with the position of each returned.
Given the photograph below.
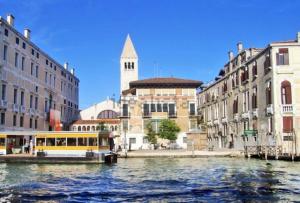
(254, 101)
(151, 100)
(37, 93)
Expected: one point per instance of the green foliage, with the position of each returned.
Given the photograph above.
(151, 135)
(168, 129)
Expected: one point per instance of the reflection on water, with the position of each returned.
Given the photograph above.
(167, 179)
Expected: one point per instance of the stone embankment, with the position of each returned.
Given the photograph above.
(180, 154)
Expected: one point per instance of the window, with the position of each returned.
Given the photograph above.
(2, 141)
(71, 141)
(172, 110)
(31, 69)
(125, 125)
(254, 70)
(192, 109)
(235, 105)
(282, 57)
(24, 45)
(46, 77)
(32, 52)
(92, 141)
(268, 94)
(145, 140)
(158, 108)
(125, 109)
(5, 52)
(82, 141)
(31, 101)
(21, 121)
(152, 106)
(254, 98)
(6, 32)
(36, 123)
(2, 118)
(132, 140)
(50, 141)
(270, 125)
(193, 124)
(40, 141)
(16, 59)
(15, 96)
(287, 124)
(36, 102)
(47, 61)
(246, 101)
(23, 63)
(286, 92)
(132, 65)
(36, 71)
(267, 63)
(30, 123)
(37, 54)
(165, 107)
(3, 91)
(17, 40)
(22, 98)
(146, 110)
(61, 142)
(14, 120)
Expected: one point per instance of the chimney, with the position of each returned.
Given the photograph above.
(239, 47)
(66, 65)
(10, 19)
(72, 71)
(298, 37)
(27, 33)
(230, 55)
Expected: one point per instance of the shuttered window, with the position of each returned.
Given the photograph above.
(287, 124)
(282, 57)
(286, 92)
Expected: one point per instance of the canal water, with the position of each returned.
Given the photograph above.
(153, 179)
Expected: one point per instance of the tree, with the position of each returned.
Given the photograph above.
(168, 129)
(151, 134)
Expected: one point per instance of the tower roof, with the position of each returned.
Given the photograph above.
(128, 49)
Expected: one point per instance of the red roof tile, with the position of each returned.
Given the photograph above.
(97, 121)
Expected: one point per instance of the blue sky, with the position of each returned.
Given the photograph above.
(186, 38)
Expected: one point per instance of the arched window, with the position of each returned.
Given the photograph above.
(286, 92)
(107, 114)
(88, 128)
(74, 128)
(111, 128)
(98, 128)
(132, 65)
(93, 128)
(83, 128)
(116, 128)
(79, 128)
(125, 64)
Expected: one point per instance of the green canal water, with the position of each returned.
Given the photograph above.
(153, 179)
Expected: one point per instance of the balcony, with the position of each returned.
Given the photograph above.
(246, 115)
(31, 112)
(287, 108)
(147, 115)
(269, 110)
(172, 115)
(3, 104)
(255, 113)
(224, 120)
(15, 108)
(236, 117)
(22, 109)
(216, 121)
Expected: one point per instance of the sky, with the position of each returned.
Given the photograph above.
(179, 38)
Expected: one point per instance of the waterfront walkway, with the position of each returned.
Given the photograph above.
(180, 153)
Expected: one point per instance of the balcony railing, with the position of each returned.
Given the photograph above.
(224, 119)
(246, 115)
(287, 108)
(15, 108)
(255, 113)
(269, 110)
(22, 109)
(3, 104)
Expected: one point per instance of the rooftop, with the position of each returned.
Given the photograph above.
(165, 82)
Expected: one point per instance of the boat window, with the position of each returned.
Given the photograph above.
(71, 141)
(40, 141)
(92, 141)
(50, 141)
(82, 141)
(2, 141)
(60, 141)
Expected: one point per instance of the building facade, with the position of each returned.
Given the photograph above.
(37, 93)
(254, 101)
(152, 100)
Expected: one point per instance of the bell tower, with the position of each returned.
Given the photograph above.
(128, 64)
